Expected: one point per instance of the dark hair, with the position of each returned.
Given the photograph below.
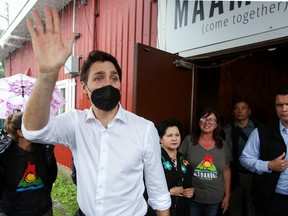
(12, 124)
(239, 100)
(217, 133)
(283, 91)
(96, 56)
(162, 127)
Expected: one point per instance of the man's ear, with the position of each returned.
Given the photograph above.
(84, 89)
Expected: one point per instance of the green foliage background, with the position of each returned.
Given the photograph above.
(64, 197)
(2, 71)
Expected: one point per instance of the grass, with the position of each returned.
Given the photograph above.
(64, 197)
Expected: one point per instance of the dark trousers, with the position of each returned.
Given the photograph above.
(278, 206)
(200, 209)
(79, 213)
(49, 213)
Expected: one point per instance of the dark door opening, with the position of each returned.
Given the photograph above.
(255, 76)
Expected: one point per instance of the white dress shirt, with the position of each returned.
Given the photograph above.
(110, 162)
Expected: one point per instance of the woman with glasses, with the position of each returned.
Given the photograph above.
(177, 170)
(209, 157)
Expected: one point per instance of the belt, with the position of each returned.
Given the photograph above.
(281, 196)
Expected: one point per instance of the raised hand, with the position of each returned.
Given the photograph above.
(50, 52)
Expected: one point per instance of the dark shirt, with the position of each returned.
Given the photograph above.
(182, 176)
(26, 179)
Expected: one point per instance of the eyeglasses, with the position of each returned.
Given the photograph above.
(209, 120)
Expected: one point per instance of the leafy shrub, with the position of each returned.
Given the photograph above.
(64, 197)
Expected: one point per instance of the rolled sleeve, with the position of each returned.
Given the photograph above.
(59, 130)
(158, 194)
(161, 203)
(249, 158)
(35, 136)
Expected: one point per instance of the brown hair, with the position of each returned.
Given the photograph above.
(12, 124)
(217, 133)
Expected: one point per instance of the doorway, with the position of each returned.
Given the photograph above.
(255, 76)
(161, 90)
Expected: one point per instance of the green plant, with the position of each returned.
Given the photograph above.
(2, 68)
(64, 197)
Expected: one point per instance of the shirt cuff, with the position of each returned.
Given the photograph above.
(265, 167)
(161, 203)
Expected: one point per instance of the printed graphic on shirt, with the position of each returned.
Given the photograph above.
(206, 169)
(30, 180)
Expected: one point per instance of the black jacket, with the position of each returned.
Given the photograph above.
(272, 146)
(26, 179)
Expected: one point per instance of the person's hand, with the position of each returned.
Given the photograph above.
(176, 191)
(279, 164)
(188, 192)
(49, 51)
(225, 204)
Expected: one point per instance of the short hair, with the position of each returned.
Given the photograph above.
(282, 91)
(162, 127)
(98, 56)
(239, 100)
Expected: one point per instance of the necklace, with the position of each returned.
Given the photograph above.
(174, 161)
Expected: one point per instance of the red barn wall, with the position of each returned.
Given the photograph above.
(120, 25)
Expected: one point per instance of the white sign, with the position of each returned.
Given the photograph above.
(197, 27)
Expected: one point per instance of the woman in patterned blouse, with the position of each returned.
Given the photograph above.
(177, 169)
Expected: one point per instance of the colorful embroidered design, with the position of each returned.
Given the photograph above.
(30, 180)
(184, 164)
(168, 166)
(206, 169)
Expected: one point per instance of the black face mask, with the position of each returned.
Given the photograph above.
(106, 98)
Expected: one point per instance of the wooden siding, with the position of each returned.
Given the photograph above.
(63, 156)
(120, 25)
(21, 61)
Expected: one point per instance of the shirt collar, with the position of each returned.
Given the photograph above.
(282, 128)
(119, 115)
(249, 125)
